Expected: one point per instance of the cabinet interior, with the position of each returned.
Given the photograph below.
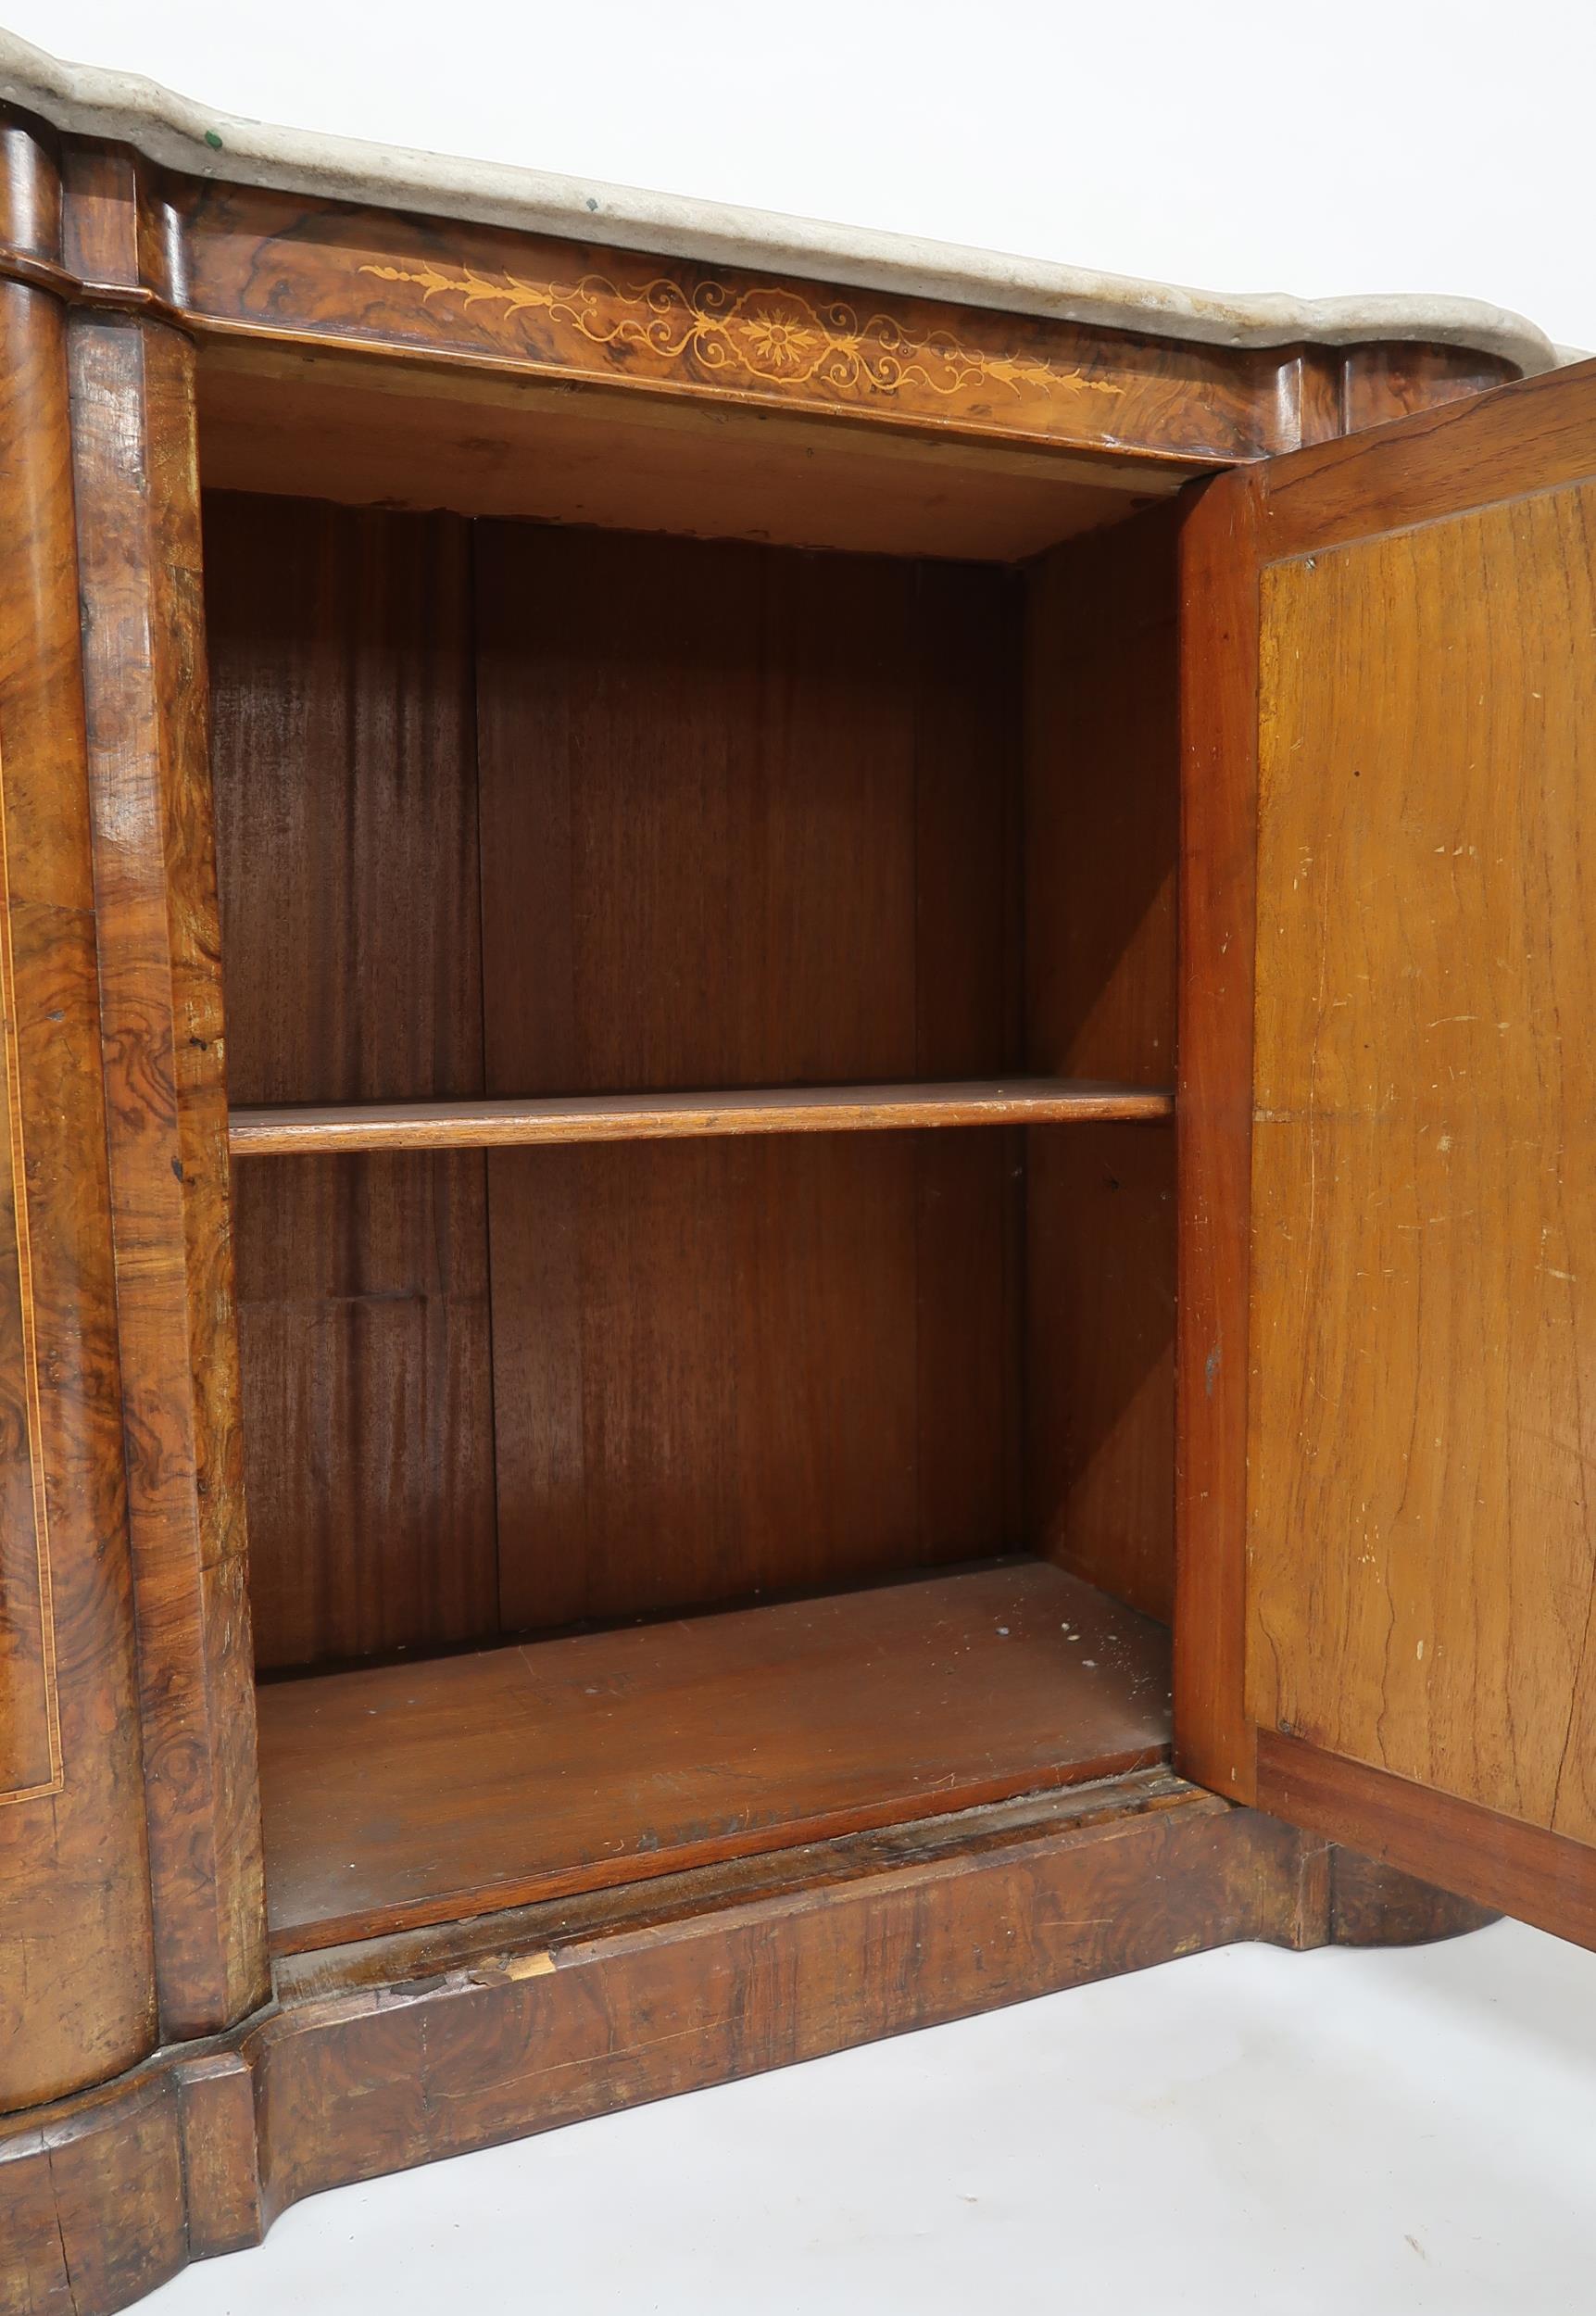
(670, 1481)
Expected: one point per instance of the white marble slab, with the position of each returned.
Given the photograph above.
(191, 137)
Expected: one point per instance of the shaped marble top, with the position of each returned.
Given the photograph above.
(192, 137)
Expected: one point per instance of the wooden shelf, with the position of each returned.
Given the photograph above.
(416, 1794)
(662, 1117)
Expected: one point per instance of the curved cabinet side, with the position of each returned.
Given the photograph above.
(132, 385)
(76, 1955)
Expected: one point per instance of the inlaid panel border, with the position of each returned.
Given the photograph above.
(12, 1062)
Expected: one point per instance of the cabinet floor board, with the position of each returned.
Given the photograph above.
(413, 1794)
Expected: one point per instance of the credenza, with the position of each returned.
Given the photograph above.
(799, 1081)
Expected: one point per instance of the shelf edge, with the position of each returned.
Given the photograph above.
(619, 1117)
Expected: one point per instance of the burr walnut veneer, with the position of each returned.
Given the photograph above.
(678, 1384)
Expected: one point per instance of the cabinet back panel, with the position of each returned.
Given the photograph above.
(723, 1368)
(344, 754)
(746, 814)
(364, 1347)
(344, 759)
(741, 816)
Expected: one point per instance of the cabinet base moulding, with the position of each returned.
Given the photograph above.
(378, 2056)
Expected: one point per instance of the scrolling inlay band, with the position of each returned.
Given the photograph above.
(765, 334)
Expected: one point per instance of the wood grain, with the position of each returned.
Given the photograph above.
(708, 1361)
(1102, 793)
(434, 2042)
(1102, 802)
(107, 2195)
(1326, 391)
(1403, 1592)
(816, 1341)
(30, 205)
(366, 430)
(1529, 435)
(346, 833)
(665, 1117)
(701, 779)
(1373, 1904)
(364, 1339)
(1218, 886)
(277, 267)
(221, 2174)
(405, 1795)
(77, 1991)
(1100, 1332)
(347, 842)
(1061, 1895)
(1548, 1878)
(891, 1273)
(30, 1758)
(93, 2204)
(137, 496)
(100, 218)
(1381, 382)
(735, 790)
(1423, 1586)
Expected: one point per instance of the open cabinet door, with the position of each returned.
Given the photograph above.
(1386, 1629)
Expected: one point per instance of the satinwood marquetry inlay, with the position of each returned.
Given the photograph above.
(764, 333)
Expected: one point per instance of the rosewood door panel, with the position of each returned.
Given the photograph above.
(1402, 1587)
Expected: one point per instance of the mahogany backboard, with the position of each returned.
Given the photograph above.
(511, 809)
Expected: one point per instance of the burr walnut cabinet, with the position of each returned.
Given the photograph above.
(798, 1088)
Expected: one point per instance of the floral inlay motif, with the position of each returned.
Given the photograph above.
(766, 333)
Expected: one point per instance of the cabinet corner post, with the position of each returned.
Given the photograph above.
(77, 1974)
(135, 441)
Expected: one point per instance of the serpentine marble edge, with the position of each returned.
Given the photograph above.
(188, 136)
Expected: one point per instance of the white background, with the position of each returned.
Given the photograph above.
(1440, 146)
(1244, 2132)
